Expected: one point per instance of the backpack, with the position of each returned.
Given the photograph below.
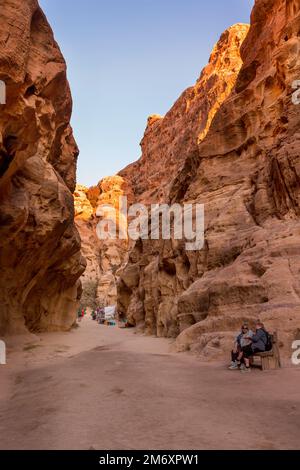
(269, 343)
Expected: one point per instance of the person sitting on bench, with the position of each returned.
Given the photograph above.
(242, 340)
(258, 344)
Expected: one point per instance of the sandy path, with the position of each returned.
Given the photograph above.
(106, 388)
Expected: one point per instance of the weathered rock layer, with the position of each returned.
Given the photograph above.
(104, 256)
(168, 140)
(239, 155)
(40, 258)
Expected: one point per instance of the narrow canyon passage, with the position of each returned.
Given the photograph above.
(107, 388)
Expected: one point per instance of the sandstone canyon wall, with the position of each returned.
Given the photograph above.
(169, 139)
(104, 256)
(40, 259)
(231, 143)
(184, 126)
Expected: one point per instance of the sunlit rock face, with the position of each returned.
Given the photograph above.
(169, 139)
(158, 272)
(242, 161)
(104, 256)
(40, 259)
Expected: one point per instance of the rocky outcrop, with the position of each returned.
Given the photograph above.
(244, 166)
(85, 223)
(40, 256)
(168, 140)
(104, 256)
(154, 277)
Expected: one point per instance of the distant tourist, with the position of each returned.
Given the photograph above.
(242, 341)
(100, 315)
(81, 313)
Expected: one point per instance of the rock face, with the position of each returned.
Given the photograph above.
(242, 161)
(104, 256)
(85, 223)
(167, 141)
(40, 256)
(158, 272)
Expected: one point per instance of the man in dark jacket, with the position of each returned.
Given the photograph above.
(258, 344)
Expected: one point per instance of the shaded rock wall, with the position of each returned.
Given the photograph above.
(245, 170)
(40, 256)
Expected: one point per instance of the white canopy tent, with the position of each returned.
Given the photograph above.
(110, 312)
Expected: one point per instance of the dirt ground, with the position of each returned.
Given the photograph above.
(107, 388)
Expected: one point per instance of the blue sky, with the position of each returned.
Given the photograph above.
(128, 59)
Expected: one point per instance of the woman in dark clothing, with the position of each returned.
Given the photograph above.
(258, 344)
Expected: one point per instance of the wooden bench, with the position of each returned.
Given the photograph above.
(270, 360)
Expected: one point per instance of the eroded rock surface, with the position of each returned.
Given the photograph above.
(40, 259)
(104, 256)
(169, 139)
(240, 157)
